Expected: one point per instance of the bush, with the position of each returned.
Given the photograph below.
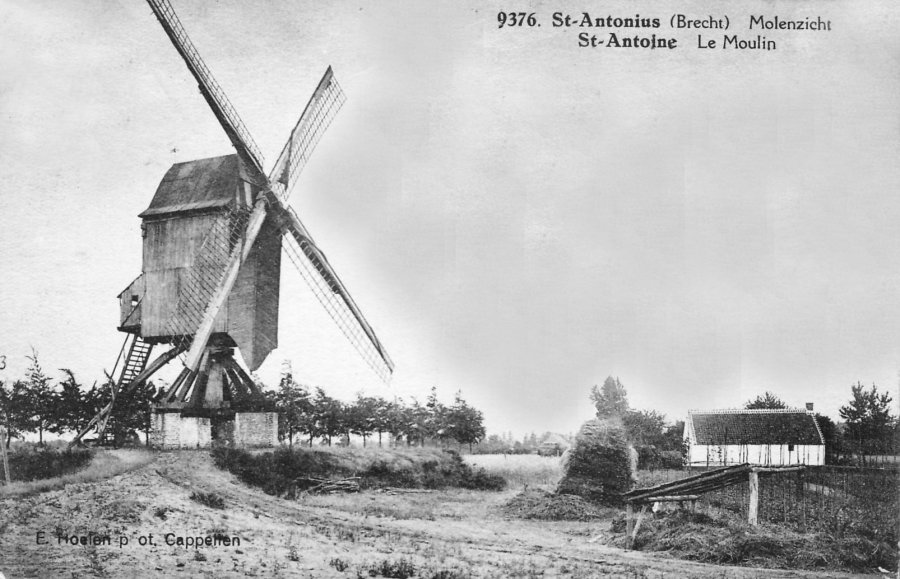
(211, 500)
(29, 465)
(286, 472)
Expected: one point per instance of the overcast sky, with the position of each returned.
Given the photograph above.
(518, 217)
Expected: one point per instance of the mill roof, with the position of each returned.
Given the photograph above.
(196, 185)
(767, 426)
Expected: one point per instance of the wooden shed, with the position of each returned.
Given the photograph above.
(190, 227)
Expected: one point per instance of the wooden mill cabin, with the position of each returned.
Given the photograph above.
(201, 202)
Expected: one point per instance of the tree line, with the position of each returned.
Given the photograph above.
(38, 404)
(314, 415)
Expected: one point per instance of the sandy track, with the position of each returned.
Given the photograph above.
(280, 538)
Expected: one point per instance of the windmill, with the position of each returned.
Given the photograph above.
(213, 236)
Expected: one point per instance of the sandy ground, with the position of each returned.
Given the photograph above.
(459, 532)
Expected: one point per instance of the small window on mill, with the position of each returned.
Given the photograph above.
(790, 448)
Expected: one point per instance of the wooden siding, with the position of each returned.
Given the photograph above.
(268, 284)
(129, 314)
(250, 315)
(253, 303)
(173, 243)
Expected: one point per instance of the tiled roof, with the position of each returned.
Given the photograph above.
(196, 185)
(721, 427)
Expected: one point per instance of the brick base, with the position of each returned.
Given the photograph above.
(247, 430)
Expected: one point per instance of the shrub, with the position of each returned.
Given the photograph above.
(399, 569)
(211, 500)
(29, 465)
(338, 564)
(285, 472)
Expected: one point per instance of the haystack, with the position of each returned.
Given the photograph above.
(601, 465)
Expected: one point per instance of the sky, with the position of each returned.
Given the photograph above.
(517, 217)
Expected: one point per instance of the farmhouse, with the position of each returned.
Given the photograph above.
(764, 437)
(553, 445)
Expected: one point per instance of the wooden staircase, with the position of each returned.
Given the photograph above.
(135, 361)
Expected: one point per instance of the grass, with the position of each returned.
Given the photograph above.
(726, 539)
(431, 506)
(520, 470)
(28, 464)
(286, 472)
(103, 465)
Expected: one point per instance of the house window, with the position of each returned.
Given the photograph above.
(790, 448)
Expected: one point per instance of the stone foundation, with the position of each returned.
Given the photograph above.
(171, 430)
(255, 429)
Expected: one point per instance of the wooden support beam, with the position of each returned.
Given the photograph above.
(173, 389)
(637, 524)
(668, 499)
(158, 363)
(199, 391)
(3, 453)
(777, 468)
(629, 524)
(690, 483)
(753, 508)
(248, 381)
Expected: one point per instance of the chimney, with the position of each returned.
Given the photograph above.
(809, 406)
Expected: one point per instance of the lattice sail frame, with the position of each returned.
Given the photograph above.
(206, 274)
(219, 257)
(321, 109)
(337, 307)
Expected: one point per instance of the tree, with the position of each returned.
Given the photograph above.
(869, 423)
(72, 411)
(833, 440)
(396, 421)
(381, 417)
(418, 422)
(611, 399)
(645, 427)
(41, 397)
(767, 400)
(15, 409)
(295, 409)
(329, 417)
(673, 437)
(131, 411)
(439, 423)
(361, 416)
(465, 424)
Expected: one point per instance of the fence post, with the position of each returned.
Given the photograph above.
(753, 508)
(629, 523)
(3, 452)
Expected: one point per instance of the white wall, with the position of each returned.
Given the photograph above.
(763, 454)
(171, 430)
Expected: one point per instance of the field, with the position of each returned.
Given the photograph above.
(521, 470)
(151, 520)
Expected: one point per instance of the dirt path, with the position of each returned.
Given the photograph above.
(460, 533)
